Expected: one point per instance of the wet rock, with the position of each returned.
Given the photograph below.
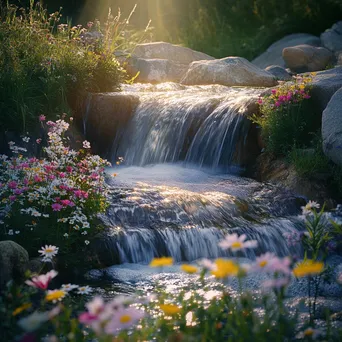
(175, 53)
(339, 58)
(302, 58)
(280, 172)
(104, 116)
(273, 55)
(13, 262)
(324, 86)
(332, 38)
(279, 72)
(156, 70)
(332, 128)
(230, 71)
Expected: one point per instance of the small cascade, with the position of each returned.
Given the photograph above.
(204, 126)
(175, 194)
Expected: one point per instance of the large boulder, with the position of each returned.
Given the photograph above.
(332, 128)
(279, 72)
(175, 53)
(156, 70)
(324, 86)
(105, 115)
(230, 71)
(14, 261)
(161, 62)
(273, 55)
(332, 38)
(302, 58)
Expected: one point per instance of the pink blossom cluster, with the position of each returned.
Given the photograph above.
(111, 317)
(63, 185)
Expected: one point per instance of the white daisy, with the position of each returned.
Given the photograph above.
(84, 290)
(48, 252)
(69, 287)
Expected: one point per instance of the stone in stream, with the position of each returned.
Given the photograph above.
(230, 71)
(332, 128)
(273, 55)
(14, 261)
(302, 58)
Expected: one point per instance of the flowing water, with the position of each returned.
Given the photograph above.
(178, 191)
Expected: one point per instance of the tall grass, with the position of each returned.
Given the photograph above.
(46, 66)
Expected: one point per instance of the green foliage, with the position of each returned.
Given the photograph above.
(46, 66)
(287, 117)
(54, 199)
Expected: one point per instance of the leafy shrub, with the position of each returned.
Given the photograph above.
(46, 65)
(287, 117)
(195, 313)
(54, 199)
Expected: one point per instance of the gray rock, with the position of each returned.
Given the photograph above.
(175, 53)
(105, 115)
(339, 58)
(156, 70)
(273, 55)
(279, 72)
(14, 261)
(230, 71)
(332, 38)
(302, 58)
(324, 86)
(332, 128)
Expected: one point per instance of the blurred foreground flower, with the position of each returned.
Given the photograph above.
(159, 262)
(308, 268)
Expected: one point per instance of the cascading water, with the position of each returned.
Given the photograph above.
(183, 206)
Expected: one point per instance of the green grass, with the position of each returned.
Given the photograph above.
(46, 67)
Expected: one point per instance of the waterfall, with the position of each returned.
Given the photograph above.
(204, 126)
(175, 194)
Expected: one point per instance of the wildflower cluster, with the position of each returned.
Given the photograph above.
(286, 117)
(187, 315)
(56, 198)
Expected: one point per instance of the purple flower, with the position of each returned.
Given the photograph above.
(56, 207)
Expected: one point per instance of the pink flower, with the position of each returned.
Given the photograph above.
(67, 203)
(235, 242)
(69, 169)
(56, 207)
(279, 266)
(42, 281)
(12, 198)
(42, 118)
(81, 194)
(51, 177)
(260, 101)
(62, 175)
(276, 283)
(94, 176)
(12, 184)
(277, 104)
(307, 96)
(38, 141)
(51, 124)
(87, 318)
(123, 318)
(274, 91)
(37, 179)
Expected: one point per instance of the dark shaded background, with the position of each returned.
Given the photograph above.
(217, 27)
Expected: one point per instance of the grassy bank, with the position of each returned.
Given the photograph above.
(47, 65)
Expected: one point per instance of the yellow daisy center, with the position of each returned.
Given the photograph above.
(125, 319)
(237, 244)
(263, 263)
(308, 332)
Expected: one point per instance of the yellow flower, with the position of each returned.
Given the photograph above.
(55, 295)
(189, 269)
(308, 267)
(21, 308)
(159, 262)
(225, 268)
(170, 309)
